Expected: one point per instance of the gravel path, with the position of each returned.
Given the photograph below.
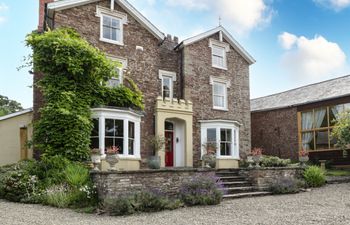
(327, 205)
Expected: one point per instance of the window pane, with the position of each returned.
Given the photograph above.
(115, 23)
(106, 21)
(95, 127)
(166, 86)
(169, 126)
(106, 32)
(119, 142)
(322, 140)
(113, 82)
(109, 128)
(109, 142)
(114, 34)
(219, 89)
(94, 143)
(131, 147)
(218, 51)
(131, 130)
(211, 135)
(321, 118)
(119, 128)
(308, 140)
(307, 120)
(219, 101)
(333, 115)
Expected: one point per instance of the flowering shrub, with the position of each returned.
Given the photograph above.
(274, 161)
(55, 181)
(112, 150)
(18, 185)
(201, 190)
(144, 201)
(303, 153)
(286, 185)
(256, 151)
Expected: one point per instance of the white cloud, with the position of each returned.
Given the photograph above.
(287, 40)
(242, 15)
(311, 58)
(3, 7)
(336, 5)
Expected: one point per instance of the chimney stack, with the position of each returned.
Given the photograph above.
(42, 8)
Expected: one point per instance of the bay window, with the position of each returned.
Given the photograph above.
(222, 134)
(119, 128)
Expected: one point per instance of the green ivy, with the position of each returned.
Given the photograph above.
(75, 77)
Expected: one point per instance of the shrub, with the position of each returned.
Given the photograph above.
(122, 205)
(274, 161)
(18, 184)
(201, 190)
(286, 185)
(58, 196)
(314, 176)
(144, 201)
(76, 175)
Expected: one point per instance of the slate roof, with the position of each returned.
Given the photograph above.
(317, 92)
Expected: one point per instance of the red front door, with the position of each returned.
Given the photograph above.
(169, 148)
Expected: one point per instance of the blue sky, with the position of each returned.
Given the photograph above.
(295, 42)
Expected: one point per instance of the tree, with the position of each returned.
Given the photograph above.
(341, 132)
(8, 106)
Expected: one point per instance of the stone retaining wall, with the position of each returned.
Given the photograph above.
(264, 177)
(112, 183)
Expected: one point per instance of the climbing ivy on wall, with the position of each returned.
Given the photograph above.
(75, 76)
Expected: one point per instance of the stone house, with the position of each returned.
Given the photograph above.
(302, 118)
(196, 91)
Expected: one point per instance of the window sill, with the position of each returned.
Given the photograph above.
(125, 157)
(112, 42)
(227, 157)
(220, 109)
(219, 67)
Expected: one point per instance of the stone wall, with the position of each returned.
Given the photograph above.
(276, 131)
(198, 70)
(143, 65)
(112, 183)
(264, 177)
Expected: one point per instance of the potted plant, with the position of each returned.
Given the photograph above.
(112, 157)
(209, 156)
(95, 158)
(257, 155)
(157, 144)
(303, 157)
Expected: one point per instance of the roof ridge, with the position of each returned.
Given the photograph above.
(301, 87)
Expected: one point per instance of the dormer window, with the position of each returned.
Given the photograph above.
(111, 25)
(218, 53)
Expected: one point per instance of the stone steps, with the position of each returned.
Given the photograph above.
(237, 186)
(247, 194)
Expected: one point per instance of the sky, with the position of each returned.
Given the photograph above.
(294, 42)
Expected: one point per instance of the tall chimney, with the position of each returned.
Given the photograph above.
(42, 7)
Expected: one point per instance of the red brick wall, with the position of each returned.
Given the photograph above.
(276, 132)
(42, 4)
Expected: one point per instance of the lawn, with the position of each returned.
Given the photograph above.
(337, 172)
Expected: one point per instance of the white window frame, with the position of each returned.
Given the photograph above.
(218, 125)
(224, 47)
(117, 114)
(227, 85)
(124, 65)
(170, 75)
(106, 12)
